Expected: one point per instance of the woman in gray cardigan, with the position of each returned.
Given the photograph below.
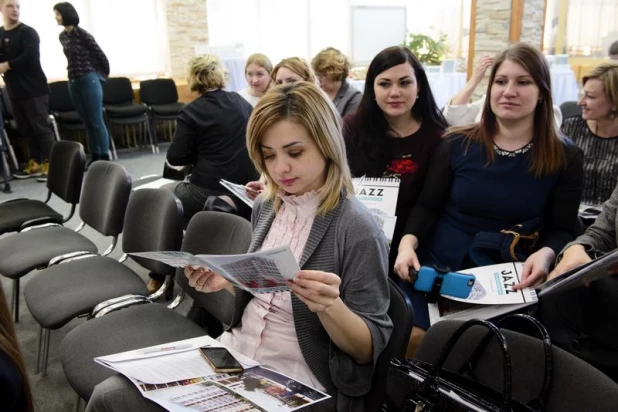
(583, 320)
(335, 323)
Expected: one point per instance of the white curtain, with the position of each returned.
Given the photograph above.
(284, 28)
(131, 33)
(592, 25)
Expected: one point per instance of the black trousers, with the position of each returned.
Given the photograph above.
(32, 117)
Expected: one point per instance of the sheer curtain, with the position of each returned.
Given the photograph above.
(131, 33)
(592, 25)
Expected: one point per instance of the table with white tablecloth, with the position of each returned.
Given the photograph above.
(443, 85)
(564, 87)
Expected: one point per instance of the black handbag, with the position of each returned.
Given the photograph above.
(418, 386)
(508, 245)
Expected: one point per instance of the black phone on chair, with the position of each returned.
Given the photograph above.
(220, 359)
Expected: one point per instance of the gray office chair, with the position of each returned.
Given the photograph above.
(153, 222)
(575, 386)
(570, 109)
(145, 325)
(103, 203)
(402, 314)
(66, 173)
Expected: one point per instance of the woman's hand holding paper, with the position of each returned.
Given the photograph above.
(205, 280)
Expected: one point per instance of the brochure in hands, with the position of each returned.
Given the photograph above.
(175, 376)
(265, 271)
(492, 293)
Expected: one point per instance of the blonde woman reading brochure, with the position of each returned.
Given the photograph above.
(332, 325)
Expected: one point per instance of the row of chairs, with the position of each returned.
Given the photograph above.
(159, 102)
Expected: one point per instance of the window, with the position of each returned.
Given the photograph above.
(133, 34)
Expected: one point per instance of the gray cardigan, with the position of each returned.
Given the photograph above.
(348, 242)
(347, 99)
(602, 235)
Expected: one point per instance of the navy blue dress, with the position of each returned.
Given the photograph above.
(464, 195)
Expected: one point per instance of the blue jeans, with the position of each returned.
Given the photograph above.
(87, 95)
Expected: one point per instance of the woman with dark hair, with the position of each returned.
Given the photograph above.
(395, 129)
(88, 68)
(15, 392)
(509, 176)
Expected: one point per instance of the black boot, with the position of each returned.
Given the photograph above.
(104, 157)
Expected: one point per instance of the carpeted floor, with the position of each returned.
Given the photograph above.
(52, 392)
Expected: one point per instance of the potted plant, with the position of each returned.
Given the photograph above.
(429, 51)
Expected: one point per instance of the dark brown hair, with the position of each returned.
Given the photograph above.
(10, 347)
(548, 154)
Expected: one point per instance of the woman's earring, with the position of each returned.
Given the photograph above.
(417, 96)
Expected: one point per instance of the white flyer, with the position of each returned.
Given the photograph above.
(265, 271)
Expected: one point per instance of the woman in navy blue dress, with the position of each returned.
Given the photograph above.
(510, 169)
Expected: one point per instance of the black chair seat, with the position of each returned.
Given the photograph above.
(149, 324)
(14, 214)
(22, 252)
(67, 117)
(170, 109)
(58, 294)
(130, 110)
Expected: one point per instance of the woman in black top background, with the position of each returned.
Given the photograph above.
(395, 129)
(88, 67)
(210, 136)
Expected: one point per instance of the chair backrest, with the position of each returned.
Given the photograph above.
(570, 109)
(153, 222)
(117, 90)
(576, 385)
(158, 91)
(67, 161)
(402, 315)
(59, 97)
(214, 233)
(105, 195)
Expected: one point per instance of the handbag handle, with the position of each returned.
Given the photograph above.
(430, 382)
(539, 402)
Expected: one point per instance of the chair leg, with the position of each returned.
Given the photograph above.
(112, 145)
(39, 351)
(155, 148)
(45, 352)
(78, 405)
(15, 301)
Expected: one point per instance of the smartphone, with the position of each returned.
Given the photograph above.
(454, 284)
(221, 360)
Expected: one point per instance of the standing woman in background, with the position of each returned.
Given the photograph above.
(257, 74)
(332, 68)
(15, 395)
(88, 69)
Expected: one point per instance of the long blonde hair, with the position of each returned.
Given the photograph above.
(305, 104)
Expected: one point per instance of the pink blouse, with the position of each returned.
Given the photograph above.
(267, 332)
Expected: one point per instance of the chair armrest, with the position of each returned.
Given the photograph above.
(166, 284)
(42, 226)
(137, 299)
(39, 221)
(19, 199)
(179, 298)
(62, 258)
(112, 301)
